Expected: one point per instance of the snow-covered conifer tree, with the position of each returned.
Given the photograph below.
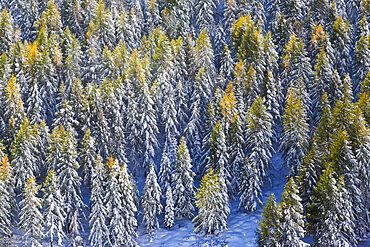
(120, 205)
(183, 182)
(258, 137)
(296, 63)
(250, 187)
(166, 172)
(218, 158)
(147, 124)
(169, 212)
(53, 214)
(193, 133)
(30, 214)
(6, 30)
(99, 234)
(269, 231)
(151, 201)
(23, 155)
(341, 41)
(330, 215)
(213, 204)
(294, 140)
(235, 147)
(205, 10)
(292, 223)
(87, 157)
(66, 166)
(7, 203)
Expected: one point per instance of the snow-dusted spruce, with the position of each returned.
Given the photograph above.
(87, 157)
(296, 63)
(258, 137)
(344, 163)
(65, 115)
(30, 216)
(169, 212)
(99, 234)
(250, 187)
(235, 149)
(333, 220)
(63, 158)
(269, 230)
(13, 110)
(165, 175)
(23, 155)
(209, 124)
(53, 214)
(120, 205)
(113, 111)
(183, 182)
(213, 204)
(7, 201)
(193, 133)
(291, 222)
(147, 124)
(272, 96)
(294, 140)
(151, 201)
(218, 157)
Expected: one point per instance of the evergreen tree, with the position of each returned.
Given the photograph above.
(213, 205)
(23, 151)
(6, 31)
(120, 205)
(183, 182)
(218, 158)
(250, 188)
(273, 98)
(295, 63)
(294, 140)
(230, 15)
(236, 144)
(269, 231)
(256, 9)
(30, 216)
(53, 214)
(102, 26)
(322, 81)
(204, 57)
(151, 201)
(292, 224)
(87, 157)
(341, 40)
(258, 137)
(331, 217)
(66, 166)
(147, 124)
(165, 172)
(205, 10)
(99, 234)
(361, 65)
(193, 133)
(226, 63)
(169, 214)
(13, 110)
(7, 202)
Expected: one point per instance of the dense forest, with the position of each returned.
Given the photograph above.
(172, 109)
